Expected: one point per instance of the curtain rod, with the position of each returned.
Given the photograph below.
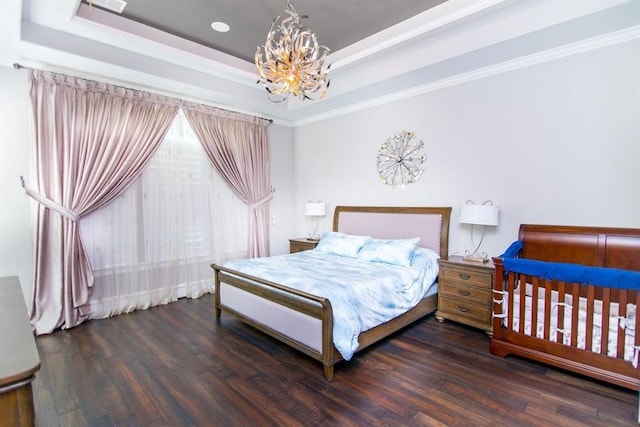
(18, 66)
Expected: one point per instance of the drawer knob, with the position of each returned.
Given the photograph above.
(464, 276)
(463, 309)
(464, 293)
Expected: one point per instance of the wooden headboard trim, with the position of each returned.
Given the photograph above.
(430, 224)
(591, 246)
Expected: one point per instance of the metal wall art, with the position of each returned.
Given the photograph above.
(400, 159)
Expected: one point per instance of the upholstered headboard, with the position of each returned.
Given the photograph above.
(431, 225)
(591, 246)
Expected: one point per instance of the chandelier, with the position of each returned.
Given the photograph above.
(292, 61)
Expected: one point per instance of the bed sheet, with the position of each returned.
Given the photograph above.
(363, 294)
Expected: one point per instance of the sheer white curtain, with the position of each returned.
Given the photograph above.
(156, 241)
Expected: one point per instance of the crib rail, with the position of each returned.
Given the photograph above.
(556, 313)
(585, 328)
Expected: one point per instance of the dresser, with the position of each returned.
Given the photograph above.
(300, 244)
(464, 292)
(19, 360)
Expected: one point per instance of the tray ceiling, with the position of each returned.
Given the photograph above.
(381, 50)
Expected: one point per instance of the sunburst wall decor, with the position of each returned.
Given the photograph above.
(400, 159)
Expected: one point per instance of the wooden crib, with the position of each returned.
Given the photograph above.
(580, 327)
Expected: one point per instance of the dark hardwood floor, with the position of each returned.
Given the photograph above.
(175, 365)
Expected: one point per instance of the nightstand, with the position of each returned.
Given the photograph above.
(300, 244)
(464, 292)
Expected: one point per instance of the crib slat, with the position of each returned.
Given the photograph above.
(575, 311)
(511, 278)
(588, 340)
(636, 334)
(535, 285)
(523, 300)
(622, 312)
(547, 309)
(606, 310)
(559, 285)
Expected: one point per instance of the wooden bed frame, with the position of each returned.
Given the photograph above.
(292, 307)
(591, 246)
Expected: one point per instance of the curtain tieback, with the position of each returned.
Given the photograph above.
(262, 201)
(48, 203)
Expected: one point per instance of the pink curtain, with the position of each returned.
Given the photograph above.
(238, 147)
(91, 141)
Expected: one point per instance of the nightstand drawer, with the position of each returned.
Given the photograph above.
(301, 244)
(461, 291)
(467, 276)
(465, 309)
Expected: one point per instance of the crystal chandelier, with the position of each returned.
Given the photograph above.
(292, 61)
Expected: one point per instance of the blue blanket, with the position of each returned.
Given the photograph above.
(567, 272)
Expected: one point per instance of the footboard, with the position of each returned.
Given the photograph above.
(301, 320)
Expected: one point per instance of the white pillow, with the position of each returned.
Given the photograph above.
(397, 252)
(333, 242)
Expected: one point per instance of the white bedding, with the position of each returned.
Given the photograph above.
(617, 324)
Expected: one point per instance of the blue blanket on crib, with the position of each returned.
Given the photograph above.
(599, 276)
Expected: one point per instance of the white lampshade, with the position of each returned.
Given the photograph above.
(315, 209)
(479, 214)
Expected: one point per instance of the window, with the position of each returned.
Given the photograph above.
(161, 235)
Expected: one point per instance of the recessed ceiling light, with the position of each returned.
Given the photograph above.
(220, 27)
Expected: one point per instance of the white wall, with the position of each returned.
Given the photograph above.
(555, 143)
(281, 221)
(16, 248)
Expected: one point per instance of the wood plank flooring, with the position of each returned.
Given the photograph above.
(174, 365)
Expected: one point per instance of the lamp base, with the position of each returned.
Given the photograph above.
(476, 259)
(313, 239)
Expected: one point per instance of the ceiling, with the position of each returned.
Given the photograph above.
(337, 24)
(381, 50)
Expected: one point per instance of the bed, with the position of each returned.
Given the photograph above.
(567, 296)
(305, 320)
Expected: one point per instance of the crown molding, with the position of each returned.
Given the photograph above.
(570, 49)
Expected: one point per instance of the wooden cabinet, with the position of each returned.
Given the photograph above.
(19, 360)
(300, 244)
(464, 292)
